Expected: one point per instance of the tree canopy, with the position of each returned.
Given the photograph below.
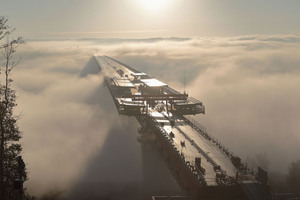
(12, 167)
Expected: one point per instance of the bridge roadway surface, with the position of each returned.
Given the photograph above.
(196, 145)
(109, 66)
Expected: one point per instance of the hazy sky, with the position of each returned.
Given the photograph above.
(151, 18)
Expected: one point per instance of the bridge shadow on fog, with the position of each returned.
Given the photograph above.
(115, 171)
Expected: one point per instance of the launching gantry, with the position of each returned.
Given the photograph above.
(136, 93)
(202, 166)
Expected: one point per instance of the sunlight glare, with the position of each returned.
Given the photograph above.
(154, 5)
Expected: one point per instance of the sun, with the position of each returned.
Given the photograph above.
(154, 5)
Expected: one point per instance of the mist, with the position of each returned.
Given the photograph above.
(70, 126)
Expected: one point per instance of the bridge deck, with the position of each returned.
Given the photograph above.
(195, 146)
(186, 138)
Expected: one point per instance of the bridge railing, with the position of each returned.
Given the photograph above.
(180, 155)
(202, 130)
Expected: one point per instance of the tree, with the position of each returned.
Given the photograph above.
(293, 177)
(10, 134)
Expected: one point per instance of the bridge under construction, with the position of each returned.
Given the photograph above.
(201, 165)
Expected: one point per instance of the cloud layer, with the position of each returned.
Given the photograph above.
(248, 84)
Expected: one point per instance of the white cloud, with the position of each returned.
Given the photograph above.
(248, 84)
